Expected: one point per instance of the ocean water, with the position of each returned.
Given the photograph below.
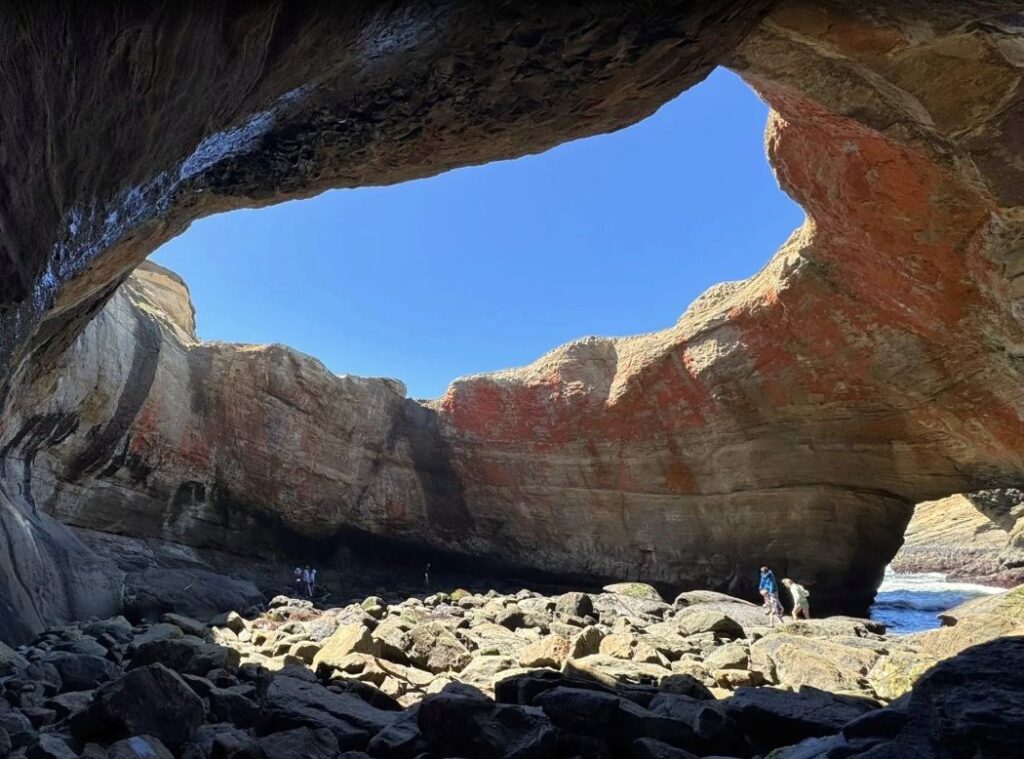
(909, 603)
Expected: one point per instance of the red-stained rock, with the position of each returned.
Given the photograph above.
(790, 419)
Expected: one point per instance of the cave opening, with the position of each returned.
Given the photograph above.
(488, 267)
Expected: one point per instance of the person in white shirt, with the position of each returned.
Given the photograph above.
(801, 604)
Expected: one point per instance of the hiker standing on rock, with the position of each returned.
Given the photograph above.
(297, 581)
(306, 579)
(312, 582)
(800, 598)
(769, 590)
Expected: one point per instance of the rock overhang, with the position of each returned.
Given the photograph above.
(873, 363)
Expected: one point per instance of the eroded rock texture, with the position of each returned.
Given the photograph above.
(791, 419)
(122, 123)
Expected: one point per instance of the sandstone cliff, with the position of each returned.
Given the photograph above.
(794, 418)
(952, 537)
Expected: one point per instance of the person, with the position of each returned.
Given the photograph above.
(297, 580)
(426, 576)
(800, 598)
(769, 590)
(312, 582)
(305, 581)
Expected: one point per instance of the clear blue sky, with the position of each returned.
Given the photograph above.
(489, 267)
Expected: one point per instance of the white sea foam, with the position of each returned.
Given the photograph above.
(931, 582)
(911, 603)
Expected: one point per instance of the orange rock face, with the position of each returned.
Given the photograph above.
(792, 419)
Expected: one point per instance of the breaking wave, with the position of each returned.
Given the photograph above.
(908, 603)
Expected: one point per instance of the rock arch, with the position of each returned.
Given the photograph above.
(792, 418)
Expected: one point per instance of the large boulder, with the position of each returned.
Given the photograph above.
(82, 671)
(827, 664)
(457, 722)
(774, 718)
(432, 646)
(139, 747)
(151, 700)
(617, 721)
(353, 638)
(611, 672)
(968, 705)
(693, 621)
(290, 703)
(186, 655)
(300, 743)
(150, 593)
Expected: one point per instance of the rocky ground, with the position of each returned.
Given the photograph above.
(620, 673)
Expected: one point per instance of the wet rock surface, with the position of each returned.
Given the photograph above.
(246, 687)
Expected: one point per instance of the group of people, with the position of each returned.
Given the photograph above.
(769, 590)
(305, 581)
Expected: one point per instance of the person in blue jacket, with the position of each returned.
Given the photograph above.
(769, 590)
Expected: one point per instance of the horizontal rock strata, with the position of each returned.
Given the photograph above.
(952, 537)
(792, 419)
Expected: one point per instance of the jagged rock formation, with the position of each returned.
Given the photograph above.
(952, 536)
(792, 419)
(169, 114)
(1006, 509)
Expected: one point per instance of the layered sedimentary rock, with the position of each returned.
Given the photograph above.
(170, 112)
(875, 362)
(952, 537)
(792, 419)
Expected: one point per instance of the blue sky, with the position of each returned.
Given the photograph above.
(489, 267)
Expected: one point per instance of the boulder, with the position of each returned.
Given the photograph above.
(186, 624)
(795, 661)
(483, 671)
(118, 628)
(831, 627)
(290, 703)
(774, 718)
(139, 747)
(515, 618)
(648, 748)
(82, 671)
(354, 638)
(637, 590)
(574, 605)
(50, 747)
(186, 655)
(299, 743)
(433, 647)
(615, 720)
(492, 638)
(729, 656)
(586, 642)
(199, 593)
(714, 731)
(610, 672)
(402, 740)
(11, 661)
(549, 651)
(619, 645)
(457, 722)
(151, 700)
(699, 619)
